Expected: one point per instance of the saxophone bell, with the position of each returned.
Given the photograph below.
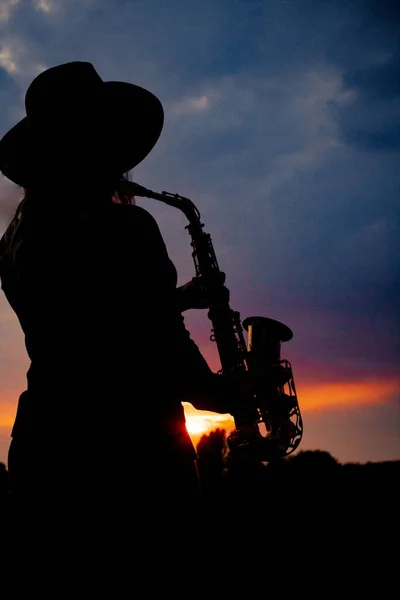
(277, 428)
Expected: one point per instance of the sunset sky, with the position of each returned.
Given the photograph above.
(282, 124)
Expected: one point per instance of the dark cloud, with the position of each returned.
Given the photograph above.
(8, 92)
(371, 119)
(386, 11)
(377, 81)
(6, 81)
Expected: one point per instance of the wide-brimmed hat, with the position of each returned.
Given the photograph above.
(71, 112)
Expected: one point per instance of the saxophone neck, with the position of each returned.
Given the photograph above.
(184, 204)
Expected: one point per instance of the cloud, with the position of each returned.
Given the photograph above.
(6, 9)
(18, 59)
(45, 5)
(265, 127)
(381, 80)
(190, 105)
(305, 105)
(372, 120)
(18, 67)
(7, 60)
(10, 194)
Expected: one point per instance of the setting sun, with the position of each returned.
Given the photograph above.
(201, 422)
(196, 424)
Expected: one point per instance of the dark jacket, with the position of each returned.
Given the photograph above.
(110, 354)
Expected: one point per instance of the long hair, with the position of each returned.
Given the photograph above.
(14, 236)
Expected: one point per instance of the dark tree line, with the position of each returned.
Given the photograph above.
(331, 520)
(310, 481)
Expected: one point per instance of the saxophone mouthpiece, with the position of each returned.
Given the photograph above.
(139, 190)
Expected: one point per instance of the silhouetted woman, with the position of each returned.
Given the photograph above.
(100, 456)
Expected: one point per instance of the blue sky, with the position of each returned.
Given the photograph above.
(282, 124)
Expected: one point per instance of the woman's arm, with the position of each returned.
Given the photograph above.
(195, 381)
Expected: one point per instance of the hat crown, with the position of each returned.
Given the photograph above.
(68, 89)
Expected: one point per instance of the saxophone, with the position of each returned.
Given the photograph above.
(268, 425)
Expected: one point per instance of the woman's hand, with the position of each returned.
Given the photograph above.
(193, 294)
(224, 394)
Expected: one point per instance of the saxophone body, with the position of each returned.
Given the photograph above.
(268, 424)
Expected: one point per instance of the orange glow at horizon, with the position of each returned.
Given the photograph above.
(313, 397)
(8, 413)
(320, 396)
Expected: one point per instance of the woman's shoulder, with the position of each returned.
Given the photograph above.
(132, 213)
(131, 225)
(131, 220)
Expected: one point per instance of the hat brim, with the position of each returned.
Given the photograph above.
(132, 119)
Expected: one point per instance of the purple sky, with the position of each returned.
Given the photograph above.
(283, 126)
